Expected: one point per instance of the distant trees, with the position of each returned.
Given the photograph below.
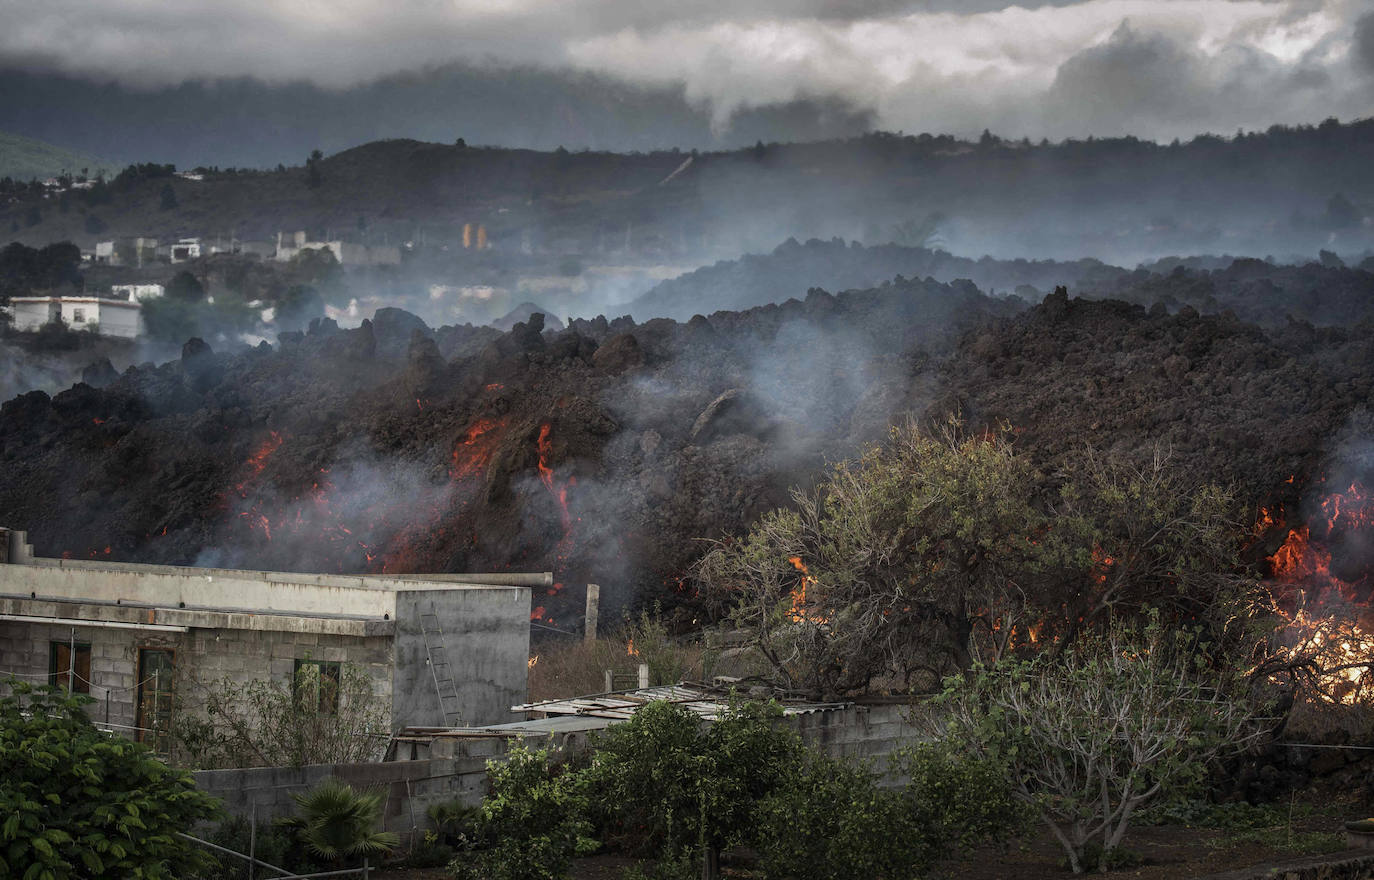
(24, 269)
(312, 169)
(94, 225)
(185, 287)
(33, 216)
(167, 199)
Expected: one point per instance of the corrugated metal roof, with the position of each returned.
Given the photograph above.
(708, 702)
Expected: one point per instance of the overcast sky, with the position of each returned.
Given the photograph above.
(1156, 68)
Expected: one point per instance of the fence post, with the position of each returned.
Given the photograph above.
(643, 675)
(252, 836)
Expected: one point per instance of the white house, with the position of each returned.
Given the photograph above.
(108, 317)
(137, 292)
(185, 249)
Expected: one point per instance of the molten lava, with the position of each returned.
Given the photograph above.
(560, 496)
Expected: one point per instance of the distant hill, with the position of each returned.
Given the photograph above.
(23, 158)
(1283, 192)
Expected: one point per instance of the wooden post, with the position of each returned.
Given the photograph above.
(593, 609)
(644, 675)
(610, 682)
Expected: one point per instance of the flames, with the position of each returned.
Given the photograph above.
(800, 608)
(1326, 617)
(630, 650)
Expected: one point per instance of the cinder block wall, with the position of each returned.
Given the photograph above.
(202, 658)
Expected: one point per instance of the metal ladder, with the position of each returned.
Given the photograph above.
(440, 670)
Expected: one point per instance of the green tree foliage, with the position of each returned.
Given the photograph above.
(898, 567)
(534, 820)
(339, 824)
(78, 802)
(662, 781)
(666, 785)
(24, 270)
(1123, 717)
(830, 820)
(943, 548)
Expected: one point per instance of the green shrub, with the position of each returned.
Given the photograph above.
(79, 802)
(664, 785)
(534, 820)
(830, 821)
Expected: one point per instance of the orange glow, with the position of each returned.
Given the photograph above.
(472, 454)
(1321, 610)
(533, 661)
(97, 421)
(799, 612)
(630, 649)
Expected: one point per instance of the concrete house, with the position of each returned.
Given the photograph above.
(442, 650)
(108, 317)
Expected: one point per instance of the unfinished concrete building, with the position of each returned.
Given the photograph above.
(444, 650)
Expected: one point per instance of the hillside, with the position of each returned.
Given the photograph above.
(23, 158)
(1287, 191)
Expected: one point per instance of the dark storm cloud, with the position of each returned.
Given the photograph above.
(1364, 42)
(1157, 68)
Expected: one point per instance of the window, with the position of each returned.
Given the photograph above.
(316, 685)
(78, 316)
(60, 666)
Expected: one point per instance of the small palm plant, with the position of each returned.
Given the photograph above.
(337, 823)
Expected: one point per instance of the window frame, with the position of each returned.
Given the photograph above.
(326, 699)
(56, 675)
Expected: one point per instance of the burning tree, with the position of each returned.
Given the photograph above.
(944, 548)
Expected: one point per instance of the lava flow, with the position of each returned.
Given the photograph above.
(560, 496)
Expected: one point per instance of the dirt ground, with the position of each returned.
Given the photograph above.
(1169, 853)
(1166, 852)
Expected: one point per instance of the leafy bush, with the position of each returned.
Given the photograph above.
(1120, 720)
(661, 782)
(79, 802)
(534, 820)
(830, 820)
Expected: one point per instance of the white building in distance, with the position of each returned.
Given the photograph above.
(137, 292)
(108, 317)
(347, 253)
